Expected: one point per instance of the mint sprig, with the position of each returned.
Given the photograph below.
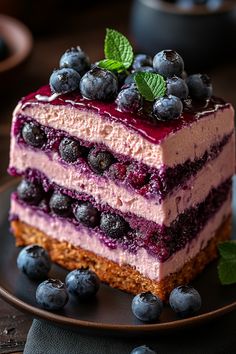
(227, 263)
(118, 52)
(112, 65)
(150, 85)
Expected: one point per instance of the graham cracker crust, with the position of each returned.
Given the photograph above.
(123, 277)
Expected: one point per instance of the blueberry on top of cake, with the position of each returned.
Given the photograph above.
(126, 167)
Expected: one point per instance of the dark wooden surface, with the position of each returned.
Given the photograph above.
(86, 28)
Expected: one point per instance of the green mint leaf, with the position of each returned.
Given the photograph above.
(112, 65)
(227, 264)
(150, 85)
(227, 249)
(117, 47)
(227, 271)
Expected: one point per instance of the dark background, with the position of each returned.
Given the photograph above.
(56, 26)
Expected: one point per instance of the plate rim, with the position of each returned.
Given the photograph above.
(107, 327)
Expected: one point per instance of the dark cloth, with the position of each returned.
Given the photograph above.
(214, 337)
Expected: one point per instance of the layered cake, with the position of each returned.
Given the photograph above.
(141, 196)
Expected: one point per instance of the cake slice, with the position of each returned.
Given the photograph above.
(141, 199)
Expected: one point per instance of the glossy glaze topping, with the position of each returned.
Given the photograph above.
(143, 123)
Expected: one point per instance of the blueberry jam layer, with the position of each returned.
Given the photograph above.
(149, 182)
(116, 229)
(143, 123)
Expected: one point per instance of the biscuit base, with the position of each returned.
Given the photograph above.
(122, 277)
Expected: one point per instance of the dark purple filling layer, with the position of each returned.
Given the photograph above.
(149, 182)
(143, 123)
(159, 240)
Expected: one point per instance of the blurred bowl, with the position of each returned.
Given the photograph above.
(203, 36)
(19, 42)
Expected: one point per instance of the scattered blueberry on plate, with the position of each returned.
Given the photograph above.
(147, 307)
(34, 261)
(185, 301)
(82, 283)
(52, 294)
(143, 349)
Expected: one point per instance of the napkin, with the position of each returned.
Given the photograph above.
(214, 337)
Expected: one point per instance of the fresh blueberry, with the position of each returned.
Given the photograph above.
(99, 84)
(118, 171)
(52, 294)
(147, 307)
(33, 135)
(69, 150)
(113, 225)
(177, 87)
(168, 63)
(87, 214)
(76, 59)
(3, 49)
(83, 283)
(30, 192)
(141, 60)
(146, 69)
(34, 261)
(129, 100)
(60, 204)
(167, 108)
(99, 161)
(64, 80)
(200, 87)
(143, 349)
(130, 79)
(185, 300)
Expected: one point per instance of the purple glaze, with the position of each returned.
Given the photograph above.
(159, 240)
(157, 183)
(143, 123)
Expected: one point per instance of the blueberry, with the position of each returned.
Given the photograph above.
(185, 300)
(130, 79)
(200, 87)
(99, 161)
(87, 214)
(167, 108)
(113, 225)
(147, 307)
(60, 204)
(141, 60)
(83, 283)
(30, 192)
(129, 100)
(69, 150)
(168, 63)
(146, 69)
(177, 87)
(76, 59)
(64, 80)
(99, 84)
(143, 350)
(52, 294)
(33, 135)
(4, 51)
(34, 261)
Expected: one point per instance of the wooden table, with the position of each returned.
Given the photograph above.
(89, 34)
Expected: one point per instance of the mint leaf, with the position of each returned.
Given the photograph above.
(227, 264)
(112, 65)
(150, 85)
(117, 47)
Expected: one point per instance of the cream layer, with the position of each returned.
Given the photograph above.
(190, 142)
(118, 197)
(146, 264)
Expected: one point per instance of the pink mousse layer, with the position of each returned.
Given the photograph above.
(145, 263)
(118, 197)
(188, 140)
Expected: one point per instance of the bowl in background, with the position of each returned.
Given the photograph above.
(19, 42)
(203, 36)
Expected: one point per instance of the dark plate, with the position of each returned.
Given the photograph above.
(110, 312)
